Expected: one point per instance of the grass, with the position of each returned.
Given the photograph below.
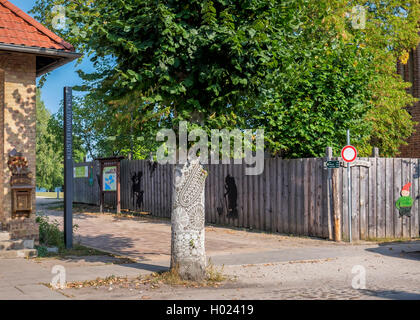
(49, 194)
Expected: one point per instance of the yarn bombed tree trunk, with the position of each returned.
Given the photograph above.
(188, 254)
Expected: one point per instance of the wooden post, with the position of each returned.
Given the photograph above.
(375, 152)
(329, 153)
(101, 194)
(118, 188)
(336, 205)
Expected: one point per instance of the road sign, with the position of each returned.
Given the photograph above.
(349, 154)
(332, 164)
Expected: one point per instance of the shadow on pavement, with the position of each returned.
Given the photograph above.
(392, 294)
(116, 245)
(403, 250)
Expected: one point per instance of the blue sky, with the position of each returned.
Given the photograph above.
(52, 91)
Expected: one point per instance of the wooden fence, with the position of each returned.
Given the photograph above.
(291, 196)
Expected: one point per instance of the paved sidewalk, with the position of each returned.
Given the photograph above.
(390, 274)
(265, 266)
(26, 279)
(148, 239)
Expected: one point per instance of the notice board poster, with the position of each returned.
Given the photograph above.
(110, 179)
(81, 172)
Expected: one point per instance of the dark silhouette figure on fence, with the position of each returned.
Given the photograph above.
(152, 167)
(136, 191)
(232, 196)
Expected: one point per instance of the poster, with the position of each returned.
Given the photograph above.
(110, 179)
(80, 172)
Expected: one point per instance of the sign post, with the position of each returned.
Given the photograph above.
(68, 168)
(349, 155)
(110, 180)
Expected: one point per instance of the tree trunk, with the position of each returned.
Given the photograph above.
(188, 255)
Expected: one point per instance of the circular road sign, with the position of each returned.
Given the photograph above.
(349, 153)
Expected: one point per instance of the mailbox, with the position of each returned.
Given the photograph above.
(22, 201)
(21, 185)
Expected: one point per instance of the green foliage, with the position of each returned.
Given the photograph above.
(49, 164)
(50, 235)
(81, 138)
(49, 145)
(297, 68)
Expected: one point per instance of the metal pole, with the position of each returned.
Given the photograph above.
(349, 189)
(68, 168)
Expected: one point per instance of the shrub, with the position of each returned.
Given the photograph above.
(50, 234)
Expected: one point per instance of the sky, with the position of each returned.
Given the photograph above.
(52, 91)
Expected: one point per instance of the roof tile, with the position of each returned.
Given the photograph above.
(18, 28)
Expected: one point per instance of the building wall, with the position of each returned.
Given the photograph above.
(1, 141)
(411, 73)
(19, 129)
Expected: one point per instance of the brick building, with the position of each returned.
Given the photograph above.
(27, 50)
(411, 73)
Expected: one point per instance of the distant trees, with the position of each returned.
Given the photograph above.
(50, 146)
(49, 166)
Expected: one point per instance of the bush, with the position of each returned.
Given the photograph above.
(50, 234)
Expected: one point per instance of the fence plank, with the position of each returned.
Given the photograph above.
(244, 197)
(381, 198)
(219, 179)
(414, 221)
(319, 195)
(312, 198)
(266, 195)
(406, 177)
(279, 191)
(285, 197)
(251, 200)
(292, 198)
(398, 183)
(355, 181)
(325, 202)
(300, 197)
(306, 196)
(364, 201)
(344, 203)
(372, 206)
(389, 200)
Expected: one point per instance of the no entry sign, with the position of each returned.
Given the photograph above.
(349, 153)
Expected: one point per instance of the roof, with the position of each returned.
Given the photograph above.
(17, 27)
(19, 32)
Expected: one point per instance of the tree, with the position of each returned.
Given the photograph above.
(175, 61)
(250, 64)
(49, 168)
(82, 141)
(340, 77)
